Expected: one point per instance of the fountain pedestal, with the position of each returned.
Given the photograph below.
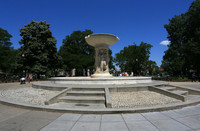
(101, 42)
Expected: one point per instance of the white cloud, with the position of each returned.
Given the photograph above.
(165, 42)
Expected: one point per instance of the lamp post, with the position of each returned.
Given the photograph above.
(23, 65)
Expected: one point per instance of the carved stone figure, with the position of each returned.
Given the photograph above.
(88, 72)
(101, 42)
(73, 72)
(101, 60)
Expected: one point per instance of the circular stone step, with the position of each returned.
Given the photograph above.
(88, 109)
(100, 81)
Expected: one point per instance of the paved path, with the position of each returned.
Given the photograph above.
(187, 119)
(17, 119)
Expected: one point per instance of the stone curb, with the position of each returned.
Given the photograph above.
(41, 85)
(108, 98)
(196, 91)
(102, 111)
(167, 93)
(99, 111)
(47, 87)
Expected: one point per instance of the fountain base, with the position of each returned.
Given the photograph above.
(101, 75)
(101, 80)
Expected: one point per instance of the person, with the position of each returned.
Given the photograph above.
(123, 74)
(193, 77)
(31, 78)
(67, 75)
(28, 78)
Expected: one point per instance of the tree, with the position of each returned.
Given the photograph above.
(38, 53)
(7, 53)
(111, 65)
(134, 58)
(76, 53)
(152, 68)
(183, 53)
(5, 38)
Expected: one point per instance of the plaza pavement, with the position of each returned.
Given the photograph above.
(18, 119)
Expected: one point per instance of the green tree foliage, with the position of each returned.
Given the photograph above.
(5, 38)
(38, 53)
(152, 68)
(7, 53)
(183, 53)
(111, 65)
(134, 58)
(76, 53)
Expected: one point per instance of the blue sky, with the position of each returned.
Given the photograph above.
(130, 20)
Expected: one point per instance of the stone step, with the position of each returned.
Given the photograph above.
(179, 92)
(88, 89)
(191, 97)
(85, 93)
(82, 99)
(79, 105)
(169, 88)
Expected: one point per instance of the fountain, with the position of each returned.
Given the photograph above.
(101, 42)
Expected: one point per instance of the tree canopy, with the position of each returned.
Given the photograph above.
(5, 38)
(7, 53)
(76, 53)
(182, 56)
(135, 58)
(38, 53)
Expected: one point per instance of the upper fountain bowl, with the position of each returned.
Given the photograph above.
(101, 40)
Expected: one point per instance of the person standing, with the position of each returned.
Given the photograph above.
(193, 77)
(28, 78)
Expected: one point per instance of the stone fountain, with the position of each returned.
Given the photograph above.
(101, 42)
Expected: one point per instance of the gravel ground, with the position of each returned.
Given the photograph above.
(139, 99)
(28, 95)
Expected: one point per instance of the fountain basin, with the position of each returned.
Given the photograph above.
(100, 81)
(101, 40)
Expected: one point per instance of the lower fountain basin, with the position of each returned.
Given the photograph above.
(102, 81)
